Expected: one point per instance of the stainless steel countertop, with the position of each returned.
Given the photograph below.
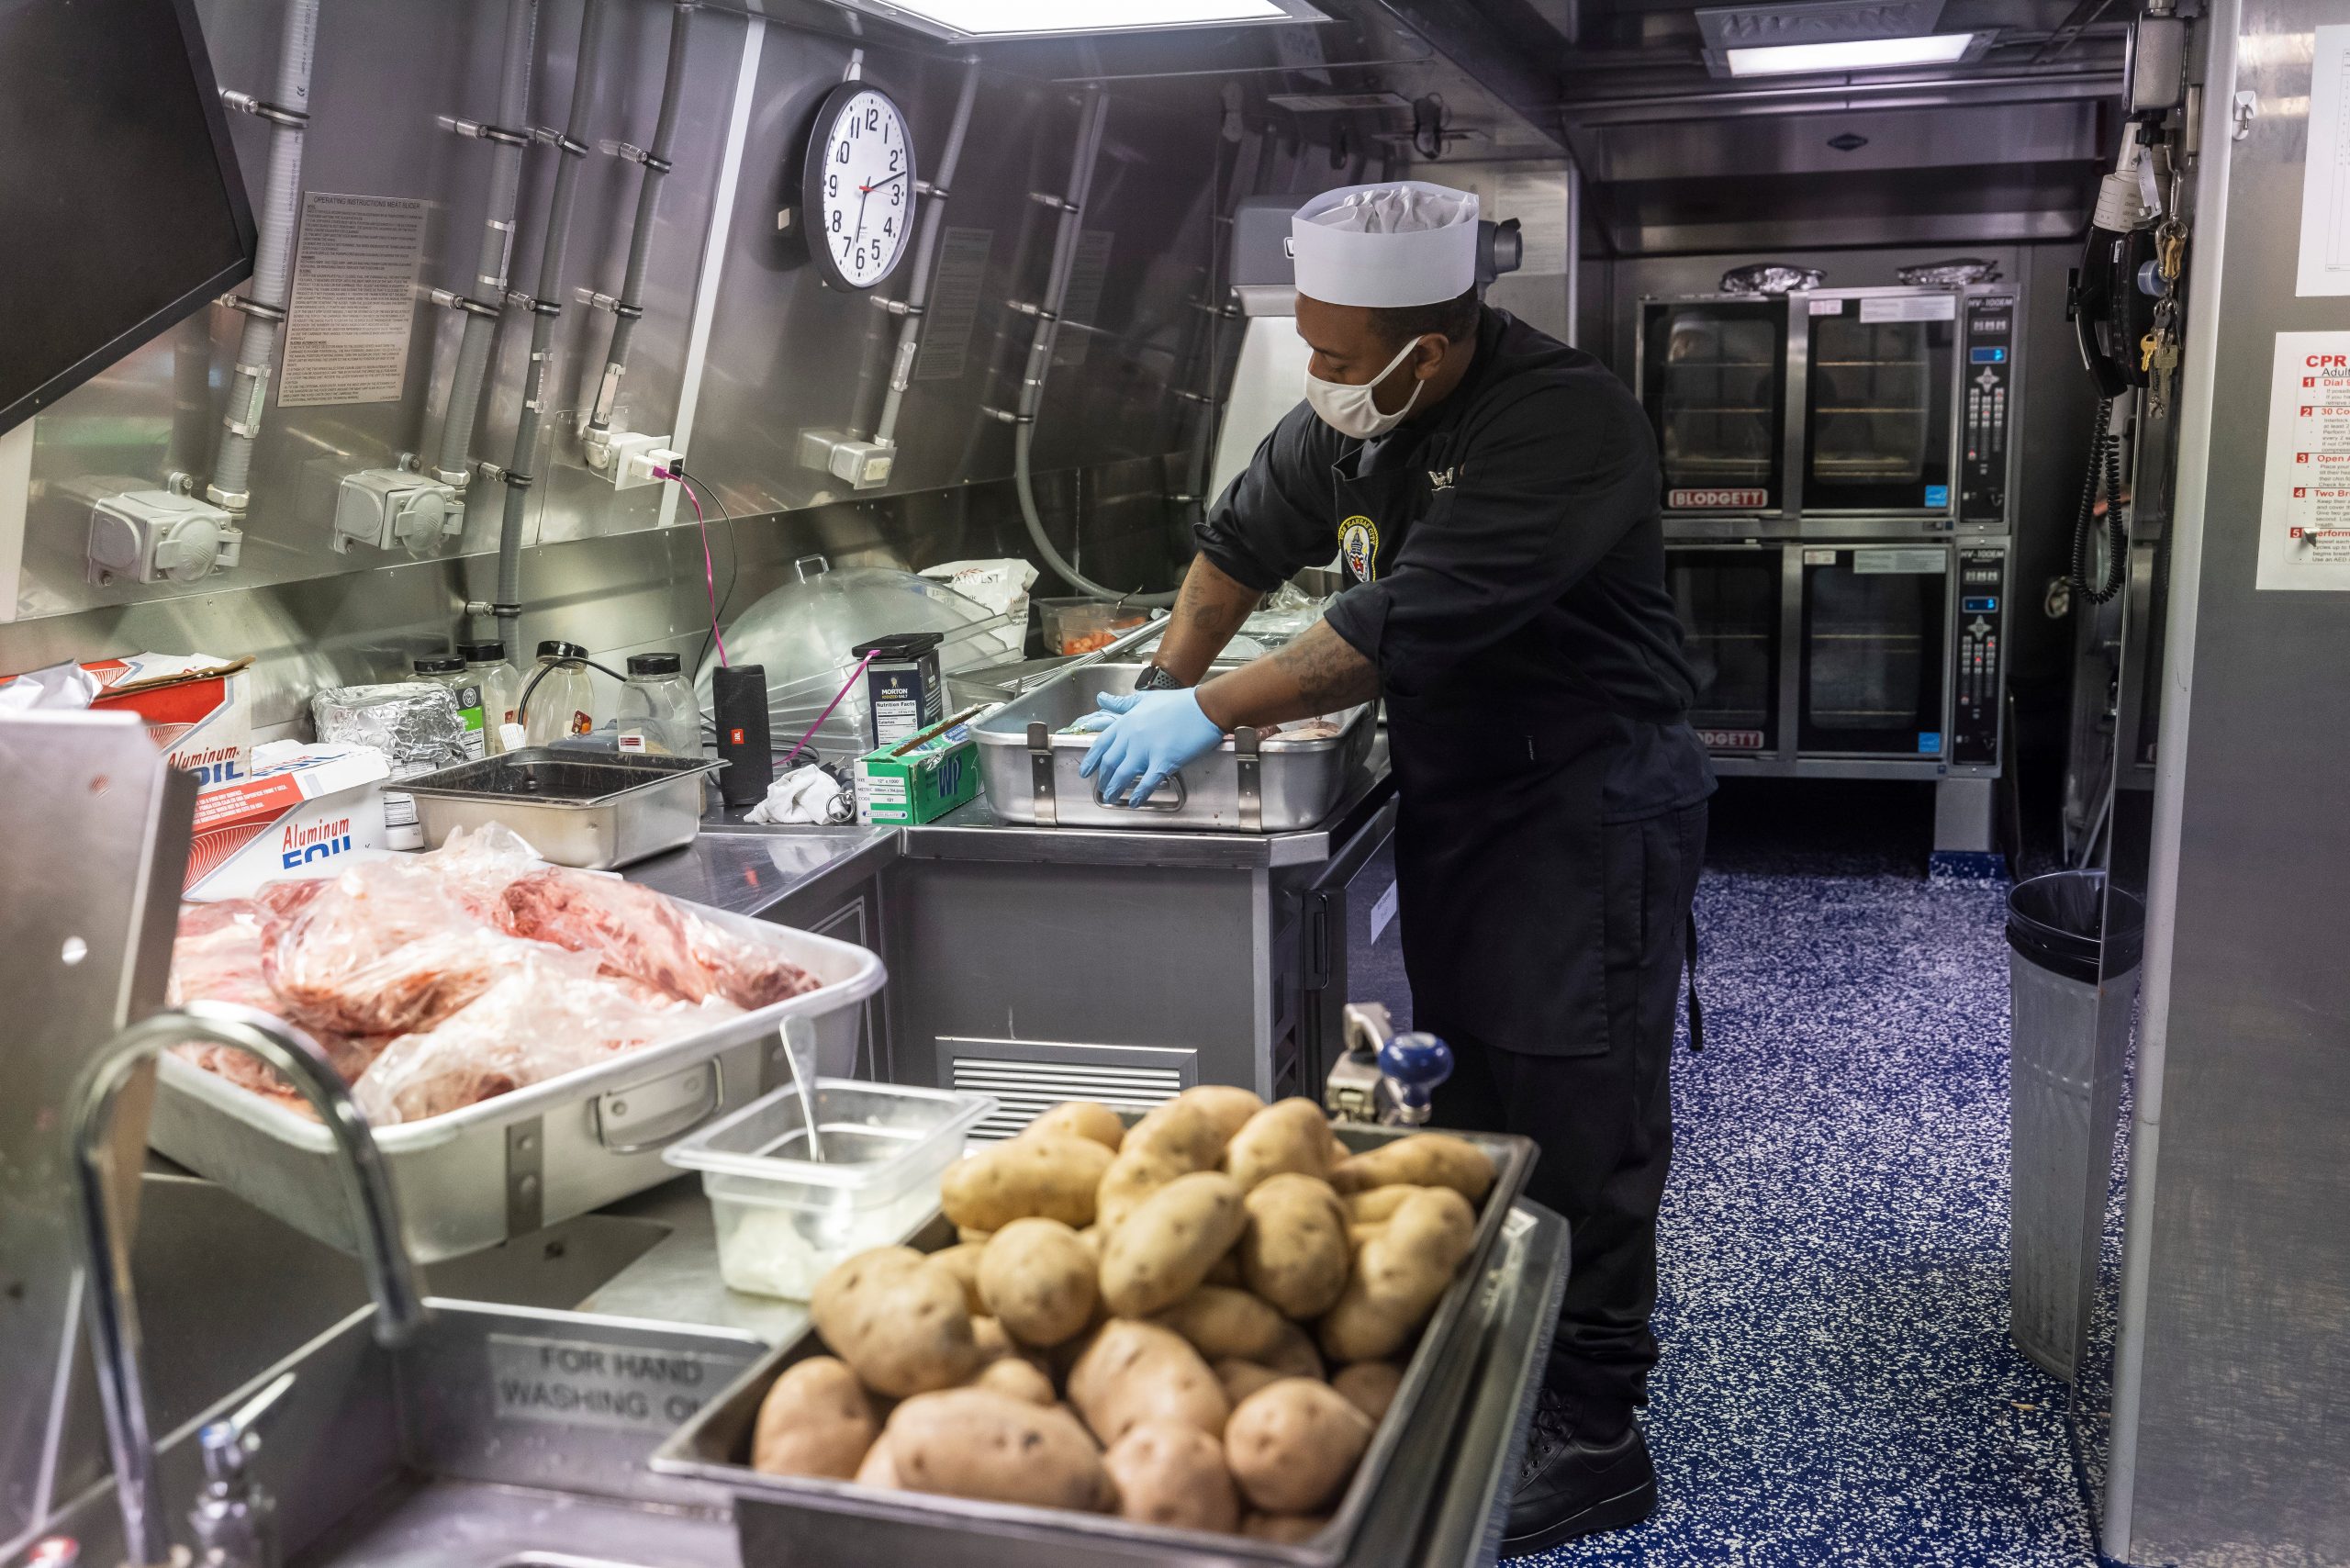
(749, 869)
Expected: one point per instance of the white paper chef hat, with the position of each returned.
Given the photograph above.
(1405, 242)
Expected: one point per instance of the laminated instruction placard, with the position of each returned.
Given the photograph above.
(2305, 487)
(354, 299)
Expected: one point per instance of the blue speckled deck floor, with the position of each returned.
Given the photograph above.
(1836, 1385)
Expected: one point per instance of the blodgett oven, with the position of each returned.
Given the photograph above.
(1837, 469)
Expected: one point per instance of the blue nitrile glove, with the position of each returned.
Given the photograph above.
(1149, 736)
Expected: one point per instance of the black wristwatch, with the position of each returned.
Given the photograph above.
(1156, 678)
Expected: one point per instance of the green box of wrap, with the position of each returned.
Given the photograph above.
(922, 778)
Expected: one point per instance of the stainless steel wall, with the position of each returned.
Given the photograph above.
(784, 352)
(2231, 1443)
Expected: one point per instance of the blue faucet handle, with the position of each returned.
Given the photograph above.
(1414, 1064)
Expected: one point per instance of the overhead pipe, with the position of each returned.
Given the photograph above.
(546, 307)
(287, 110)
(1023, 415)
(507, 136)
(933, 216)
(628, 307)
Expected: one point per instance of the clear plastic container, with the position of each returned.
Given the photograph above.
(502, 688)
(656, 713)
(1085, 625)
(559, 700)
(783, 1218)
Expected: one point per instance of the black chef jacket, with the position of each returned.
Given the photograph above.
(1527, 576)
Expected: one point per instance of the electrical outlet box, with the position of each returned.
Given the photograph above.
(155, 536)
(391, 509)
(865, 463)
(634, 457)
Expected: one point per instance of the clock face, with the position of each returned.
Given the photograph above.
(859, 192)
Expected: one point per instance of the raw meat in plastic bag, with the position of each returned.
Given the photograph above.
(218, 958)
(636, 932)
(388, 949)
(479, 864)
(539, 1020)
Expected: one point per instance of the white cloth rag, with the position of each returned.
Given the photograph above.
(803, 795)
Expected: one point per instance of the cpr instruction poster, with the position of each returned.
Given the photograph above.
(2305, 496)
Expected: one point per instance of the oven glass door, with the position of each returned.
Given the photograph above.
(1876, 646)
(1713, 374)
(1728, 597)
(1878, 374)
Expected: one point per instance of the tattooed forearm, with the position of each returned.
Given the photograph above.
(1319, 673)
(1207, 612)
(1328, 672)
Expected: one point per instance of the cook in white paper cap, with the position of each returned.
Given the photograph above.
(1370, 261)
(1490, 497)
(1404, 243)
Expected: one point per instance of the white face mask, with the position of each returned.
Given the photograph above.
(1349, 410)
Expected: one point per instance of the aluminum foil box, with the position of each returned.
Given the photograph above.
(197, 708)
(307, 810)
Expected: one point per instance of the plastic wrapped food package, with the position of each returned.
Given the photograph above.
(388, 949)
(540, 1020)
(219, 957)
(635, 933)
(437, 980)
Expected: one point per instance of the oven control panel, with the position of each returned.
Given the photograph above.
(1974, 669)
(1990, 378)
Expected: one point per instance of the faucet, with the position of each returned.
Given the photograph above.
(113, 1312)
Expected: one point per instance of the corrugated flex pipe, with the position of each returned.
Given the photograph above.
(507, 137)
(288, 113)
(933, 217)
(545, 308)
(629, 307)
(1040, 352)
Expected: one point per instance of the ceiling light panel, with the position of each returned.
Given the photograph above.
(1065, 18)
(1850, 54)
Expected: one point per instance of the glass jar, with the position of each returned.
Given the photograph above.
(502, 688)
(448, 672)
(558, 700)
(656, 713)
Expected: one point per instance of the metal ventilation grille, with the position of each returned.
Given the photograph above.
(1029, 1089)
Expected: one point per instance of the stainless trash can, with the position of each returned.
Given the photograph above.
(2072, 989)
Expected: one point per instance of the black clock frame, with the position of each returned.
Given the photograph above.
(811, 185)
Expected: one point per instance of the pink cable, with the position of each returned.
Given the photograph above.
(827, 714)
(709, 571)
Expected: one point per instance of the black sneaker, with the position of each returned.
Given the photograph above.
(1573, 1486)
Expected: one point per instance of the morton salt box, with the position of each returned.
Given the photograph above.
(305, 811)
(199, 708)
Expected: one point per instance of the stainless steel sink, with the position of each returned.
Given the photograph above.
(503, 1434)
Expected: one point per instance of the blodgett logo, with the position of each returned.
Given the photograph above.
(298, 845)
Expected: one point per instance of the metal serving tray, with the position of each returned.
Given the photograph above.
(575, 809)
(509, 1166)
(1249, 784)
(788, 1521)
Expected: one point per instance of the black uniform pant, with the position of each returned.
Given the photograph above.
(1604, 1120)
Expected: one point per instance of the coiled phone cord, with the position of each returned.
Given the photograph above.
(2105, 463)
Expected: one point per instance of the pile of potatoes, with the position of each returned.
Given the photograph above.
(1194, 1322)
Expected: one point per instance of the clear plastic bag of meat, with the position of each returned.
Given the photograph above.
(638, 934)
(217, 957)
(539, 1020)
(390, 948)
(479, 864)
